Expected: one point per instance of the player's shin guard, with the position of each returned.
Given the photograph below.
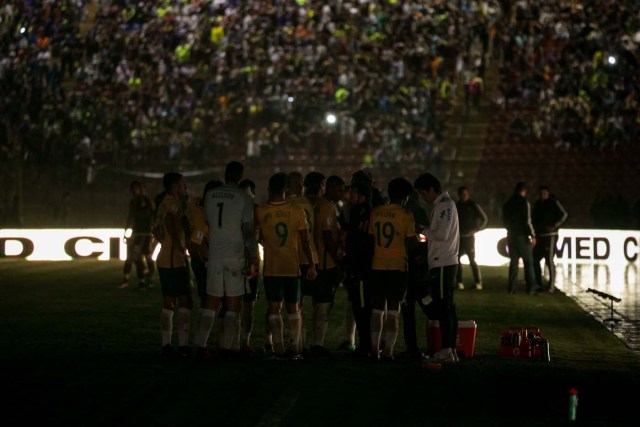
(321, 320)
(184, 325)
(275, 325)
(205, 325)
(294, 332)
(166, 325)
(376, 330)
(392, 325)
(231, 330)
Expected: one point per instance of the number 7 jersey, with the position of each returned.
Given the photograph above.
(390, 225)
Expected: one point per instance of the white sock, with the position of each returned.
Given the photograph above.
(205, 325)
(246, 324)
(275, 326)
(376, 329)
(268, 338)
(166, 325)
(391, 332)
(231, 330)
(321, 317)
(350, 325)
(294, 332)
(184, 326)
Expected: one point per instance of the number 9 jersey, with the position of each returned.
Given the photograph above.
(279, 224)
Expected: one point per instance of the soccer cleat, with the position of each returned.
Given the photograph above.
(455, 356)
(346, 346)
(268, 348)
(444, 356)
(478, 286)
(551, 289)
(460, 285)
(123, 285)
(296, 357)
(167, 351)
(203, 354)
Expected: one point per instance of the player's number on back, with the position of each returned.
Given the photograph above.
(384, 231)
(220, 206)
(282, 232)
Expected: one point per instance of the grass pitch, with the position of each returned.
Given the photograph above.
(76, 350)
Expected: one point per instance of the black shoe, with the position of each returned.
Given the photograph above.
(168, 351)
(318, 350)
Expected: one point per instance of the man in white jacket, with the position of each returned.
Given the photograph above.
(443, 236)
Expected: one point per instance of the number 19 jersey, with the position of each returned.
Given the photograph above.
(390, 225)
(279, 225)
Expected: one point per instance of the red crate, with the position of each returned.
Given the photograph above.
(524, 342)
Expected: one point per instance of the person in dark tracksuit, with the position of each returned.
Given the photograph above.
(521, 237)
(472, 219)
(548, 216)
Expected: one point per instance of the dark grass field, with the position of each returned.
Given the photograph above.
(77, 351)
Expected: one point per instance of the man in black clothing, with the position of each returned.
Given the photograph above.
(521, 237)
(548, 216)
(358, 255)
(472, 219)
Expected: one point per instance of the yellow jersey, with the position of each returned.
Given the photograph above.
(305, 204)
(170, 213)
(390, 225)
(326, 218)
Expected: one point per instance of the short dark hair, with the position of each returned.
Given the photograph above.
(544, 187)
(169, 179)
(135, 184)
(362, 175)
(334, 181)
(399, 188)
(461, 189)
(520, 186)
(277, 183)
(362, 189)
(426, 181)
(313, 182)
(233, 171)
(295, 181)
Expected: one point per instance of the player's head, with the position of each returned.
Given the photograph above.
(173, 183)
(295, 182)
(335, 188)
(360, 193)
(314, 183)
(278, 184)
(428, 187)
(136, 188)
(399, 189)
(233, 172)
(520, 188)
(248, 186)
(363, 176)
(544, 192)
(211, 185)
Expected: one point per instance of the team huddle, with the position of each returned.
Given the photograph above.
(316, 233)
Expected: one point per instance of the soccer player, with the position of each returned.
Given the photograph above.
(443, 236)
(283, 227)
(295, 196)
(171, 262)
(326, 236)
(139, 220)
(393, 230)
(232, 243)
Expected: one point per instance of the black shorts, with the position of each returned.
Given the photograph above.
(325, 285)
(388, 284)
(251, 290)
(279, 288)
(307, 285)
(174, 281)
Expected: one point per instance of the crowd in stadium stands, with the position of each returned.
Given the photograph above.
(145, 83)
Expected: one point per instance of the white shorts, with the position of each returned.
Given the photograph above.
(225, 278)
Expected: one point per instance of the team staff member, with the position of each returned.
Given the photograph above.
(139, 243)
(548, 216)
(521, 237)
(472, 219)
(326, 235)
(283, 229)
(172, 268)
(393, 230)
(443, 236)
(232, 242)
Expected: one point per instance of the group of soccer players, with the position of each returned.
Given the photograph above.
(316, 232)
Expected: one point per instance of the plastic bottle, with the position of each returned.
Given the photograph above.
(573, 404)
